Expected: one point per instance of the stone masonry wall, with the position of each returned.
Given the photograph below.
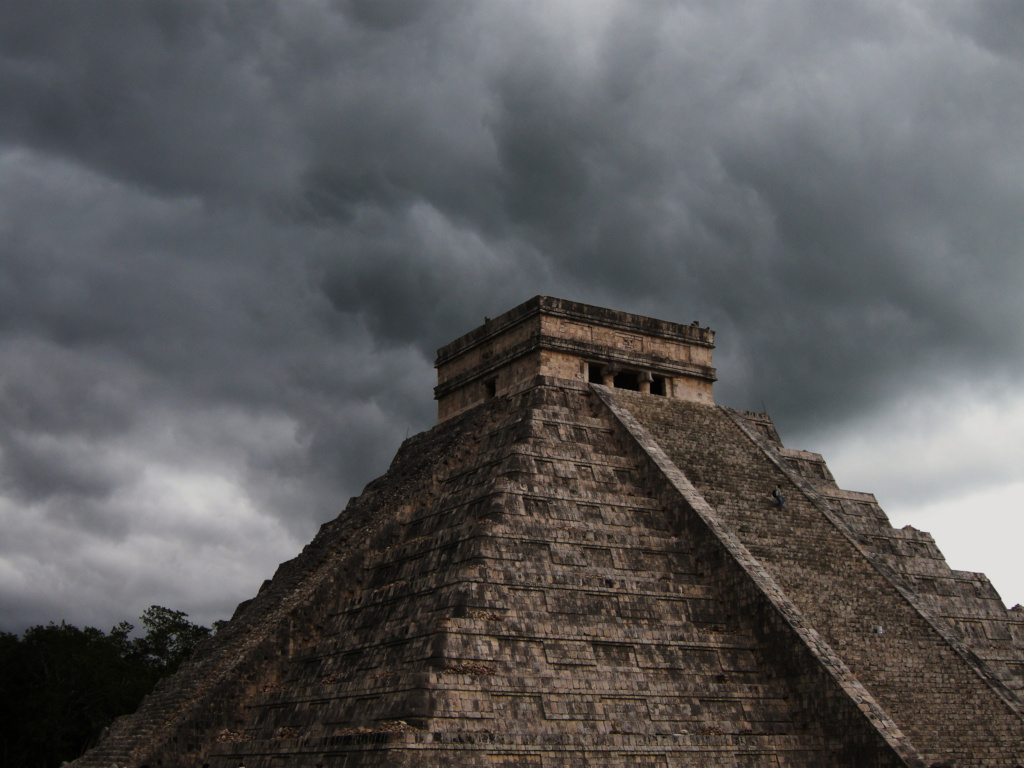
(541, 607)
(945, 707)
(514, 591)
(964, 604)
(204, 703)
(525, 586)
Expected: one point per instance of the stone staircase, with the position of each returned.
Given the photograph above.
(963, 603)
(948, 708)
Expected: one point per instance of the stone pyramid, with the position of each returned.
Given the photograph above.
(582, 564)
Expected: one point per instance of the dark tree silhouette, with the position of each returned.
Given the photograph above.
(170, 638)
(62, 685)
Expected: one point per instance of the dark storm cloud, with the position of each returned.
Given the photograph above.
(184, 312)
(234, 234)
(148, 92)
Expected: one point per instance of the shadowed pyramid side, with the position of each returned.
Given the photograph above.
(948, 705)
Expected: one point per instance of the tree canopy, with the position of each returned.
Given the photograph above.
(63, 685)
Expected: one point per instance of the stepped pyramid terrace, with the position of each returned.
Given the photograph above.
(583, 564)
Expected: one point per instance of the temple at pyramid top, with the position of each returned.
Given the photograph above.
(565, 339)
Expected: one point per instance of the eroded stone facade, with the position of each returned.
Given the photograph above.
(572, 574)
(554, 337)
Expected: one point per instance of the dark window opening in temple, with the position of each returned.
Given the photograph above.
(594, 372)
(491, 388)
(658, 386)
(627, 380)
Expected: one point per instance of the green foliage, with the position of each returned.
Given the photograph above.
(170, 637)
(62, 685)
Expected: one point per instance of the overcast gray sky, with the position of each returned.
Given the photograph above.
(232, 236)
